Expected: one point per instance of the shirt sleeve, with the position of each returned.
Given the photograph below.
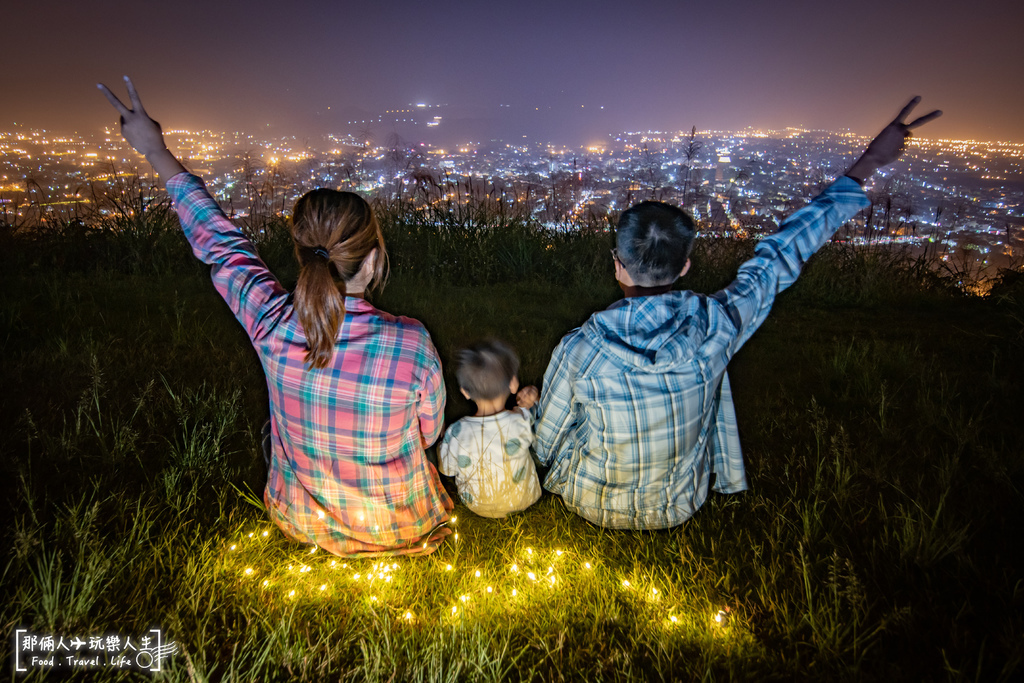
(251, 291)
(778, 259)
(447, 454)
(431, 398)
(526, 421)
(555, 422)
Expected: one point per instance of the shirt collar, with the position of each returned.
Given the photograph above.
(631, 291)
(357, 304)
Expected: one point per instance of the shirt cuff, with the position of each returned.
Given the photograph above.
(851, 191)
(179, 185)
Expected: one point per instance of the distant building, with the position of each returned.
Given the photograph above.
(722, 169)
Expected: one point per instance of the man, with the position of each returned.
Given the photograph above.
(636, 410)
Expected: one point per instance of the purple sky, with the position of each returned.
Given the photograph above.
(661, 65)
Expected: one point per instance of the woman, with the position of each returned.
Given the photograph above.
(356, 394)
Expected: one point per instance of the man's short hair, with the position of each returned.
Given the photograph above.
(486, 369)
(653, 241)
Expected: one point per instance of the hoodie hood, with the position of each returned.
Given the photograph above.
(652, 333)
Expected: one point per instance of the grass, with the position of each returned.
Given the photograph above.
(879, 411)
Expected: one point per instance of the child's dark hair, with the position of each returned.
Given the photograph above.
(486, 369)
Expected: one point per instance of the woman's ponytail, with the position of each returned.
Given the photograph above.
(332, 231)
(320, 304)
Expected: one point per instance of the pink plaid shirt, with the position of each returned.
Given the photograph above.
(349, 471)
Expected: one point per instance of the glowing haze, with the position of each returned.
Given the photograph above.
(563, 71)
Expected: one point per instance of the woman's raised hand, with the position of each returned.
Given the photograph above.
(143, 133)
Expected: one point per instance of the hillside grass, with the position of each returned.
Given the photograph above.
(879, 408)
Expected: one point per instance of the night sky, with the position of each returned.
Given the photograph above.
(277, 67)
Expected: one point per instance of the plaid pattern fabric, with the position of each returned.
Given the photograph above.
(636, 408)
(349, 471)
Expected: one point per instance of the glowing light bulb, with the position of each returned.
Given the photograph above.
(320, 514)
(515, 568)
(514, 592)
(250, 534)
(456, 535)
(408, 616)
(232, 546)
(550, 569)
(532, 576)
(448, 568)
(625, 583)
(558, 552)
(312, 550)
(477, 573)
(552, 579)
(356, 577)
(673, 619)
(373, 598)
(394, 566)
(248, 570)
(454, 610)
(344, 566)
(654, 591)
(720, 617)
(333, 563)
(586, 565)
(529, 551)
(266, 533)
(323, 587)
(266, 583)
(387, 579)
(454, 519)
(291, 594)
(464, 598)
(488, 589)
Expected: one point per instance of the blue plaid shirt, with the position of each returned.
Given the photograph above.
(636, 409)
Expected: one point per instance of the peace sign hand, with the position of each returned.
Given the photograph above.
(888, 145)
(141, 132)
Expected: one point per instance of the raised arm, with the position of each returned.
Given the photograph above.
(780, 258)
(143, 133)
(255, 296)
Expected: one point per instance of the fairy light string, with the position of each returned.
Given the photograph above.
(532, 574)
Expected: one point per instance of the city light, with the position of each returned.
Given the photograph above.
(738, 183)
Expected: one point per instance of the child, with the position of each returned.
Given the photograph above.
(489, 453)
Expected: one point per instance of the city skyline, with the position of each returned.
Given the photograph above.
(571, 72)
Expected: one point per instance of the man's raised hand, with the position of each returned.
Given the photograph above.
(888, 145)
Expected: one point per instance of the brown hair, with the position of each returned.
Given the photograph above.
(338, 230)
